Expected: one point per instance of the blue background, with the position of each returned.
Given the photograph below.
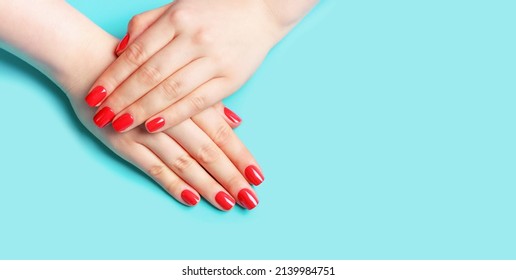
(385, 130)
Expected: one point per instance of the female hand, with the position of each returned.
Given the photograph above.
(198, 157)
(183, 58)
(201, 156)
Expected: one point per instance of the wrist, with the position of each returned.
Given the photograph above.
(92, 56)
(287, 13)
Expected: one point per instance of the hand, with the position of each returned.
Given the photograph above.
(199, 157)
(183, 58)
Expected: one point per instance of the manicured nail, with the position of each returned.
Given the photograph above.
(122, 123)
(103, 117)
(95, 96)
(224, 200)
(247, 199)
(155, 124)
(232, 116)
(123, 43)
(253, 174)
(189, 197)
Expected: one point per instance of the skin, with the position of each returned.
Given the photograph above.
(61, 42)
(190, 54)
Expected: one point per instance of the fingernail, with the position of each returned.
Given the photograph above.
(155, 124)
(123, 43)
(253, 174)
(247, 199)
(103, 117)
(232, 116)
(122, 123)
(189, 197)
(95, 96)
(224, 200)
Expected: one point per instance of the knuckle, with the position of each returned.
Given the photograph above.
(119, 144)
(222, 135)
(203, 36)
(171, 89)
(197, 103)
(150, 74)
(137, 111)
(135, 22)
(157, 171)
(208, 153)
(172, 185)
(182, 163)
(179, 16)
(114, 101)
(135, 54)
(235, 181)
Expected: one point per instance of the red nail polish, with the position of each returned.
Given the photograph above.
(232, 116)
(96, 95)
(247, 199)
(189, 197)
(224, 200)
(123, 43)
(122, 123)
(103, 117)
(155, 124)
(253, 174)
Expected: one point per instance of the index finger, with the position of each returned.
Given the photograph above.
(144, 47)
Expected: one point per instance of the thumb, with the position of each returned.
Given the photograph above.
(137, 25)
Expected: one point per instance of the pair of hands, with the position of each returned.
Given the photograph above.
(175, 64)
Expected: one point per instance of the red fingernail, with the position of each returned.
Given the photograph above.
(122, 123)
(189, 197)
(155, 124)
(232, 116)
(96, 95)
(123, 43)
(247, 199)
(253, 174)
(224, 200)
(103, 117)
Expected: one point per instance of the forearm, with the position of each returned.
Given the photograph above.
(56, 39)
(289, 12)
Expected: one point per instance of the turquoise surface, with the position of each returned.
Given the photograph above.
(385, 130)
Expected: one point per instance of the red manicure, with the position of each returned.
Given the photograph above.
(103, 117)
(122, 123)
(253, 174)
(189, 197)
(95, 96)
(247, 199)
(232, 116)
(123, 43)
(155, 124)
(224, 200)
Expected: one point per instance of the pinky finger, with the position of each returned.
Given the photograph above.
(152, 165)
(228, 115)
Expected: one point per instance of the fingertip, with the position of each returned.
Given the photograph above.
(254, 175)
(190, 198)
(225, 201)
(232, 118)
(122, 45)
(155, 124)
(247, 199)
